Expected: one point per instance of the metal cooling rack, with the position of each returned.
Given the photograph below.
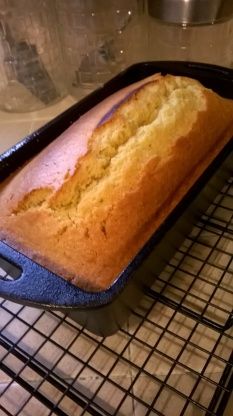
(173, 358)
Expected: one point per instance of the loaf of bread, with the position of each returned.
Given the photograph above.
(88, 202)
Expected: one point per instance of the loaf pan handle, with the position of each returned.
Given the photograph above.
(37, 286)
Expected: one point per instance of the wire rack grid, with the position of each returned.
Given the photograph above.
(172, 358)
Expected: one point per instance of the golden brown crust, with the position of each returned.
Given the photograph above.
(57, 162)
(86, 224)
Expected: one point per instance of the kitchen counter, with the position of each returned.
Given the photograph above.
(15, 126)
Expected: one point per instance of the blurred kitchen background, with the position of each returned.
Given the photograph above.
(51, 49)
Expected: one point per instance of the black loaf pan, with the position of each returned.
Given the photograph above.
(104, 312)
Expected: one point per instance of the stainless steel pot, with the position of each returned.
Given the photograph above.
(191, 12)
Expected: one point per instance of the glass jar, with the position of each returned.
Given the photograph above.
(98, 40)
(31, 75)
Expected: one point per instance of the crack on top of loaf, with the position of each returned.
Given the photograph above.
(110, 138)
(34, 199)
(107, 142)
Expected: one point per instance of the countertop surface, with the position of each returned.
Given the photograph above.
(15, 126)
